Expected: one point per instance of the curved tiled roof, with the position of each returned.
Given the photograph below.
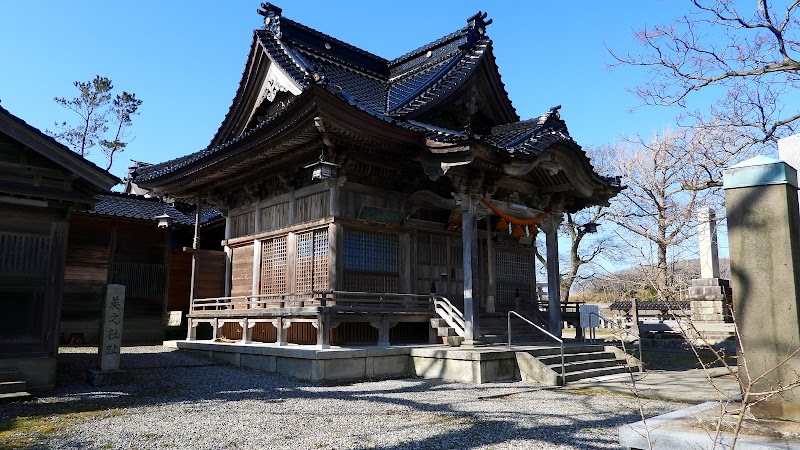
(391, 91)
(146, 208)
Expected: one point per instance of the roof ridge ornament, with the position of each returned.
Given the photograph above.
(476, 29)
(272, 18)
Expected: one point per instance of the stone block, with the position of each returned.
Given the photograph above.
(344, 369)
(389, 366)
(259, 362)
(710, 282)
(227, 357)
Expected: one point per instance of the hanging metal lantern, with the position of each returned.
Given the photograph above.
(322, 170)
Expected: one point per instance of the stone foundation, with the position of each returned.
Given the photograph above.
(710, 300)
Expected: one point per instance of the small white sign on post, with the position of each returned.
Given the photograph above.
(590, 316)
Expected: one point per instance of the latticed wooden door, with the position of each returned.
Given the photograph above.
(440, 260)
(514, 270)
(273, 266)
(311, 269)
(371, 262)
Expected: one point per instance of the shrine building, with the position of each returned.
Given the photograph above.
(366, 196)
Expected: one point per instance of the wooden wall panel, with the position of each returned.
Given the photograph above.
(243, 224)
(210, 274)
(180, 269)
(242, 271)
(275, 217)
(312, 207)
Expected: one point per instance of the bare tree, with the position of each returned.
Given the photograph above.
(667, 178)
(747, 57)
(586, 248)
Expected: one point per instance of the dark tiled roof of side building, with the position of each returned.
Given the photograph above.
(146, 208)
(98, 172)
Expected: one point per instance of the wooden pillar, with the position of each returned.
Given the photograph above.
(490, 307)
(469, 236)
(256, 289)
(323, 332)
(195, 247)
(228, 255)
(553, 277)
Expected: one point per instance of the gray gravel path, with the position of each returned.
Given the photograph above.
(177, 400)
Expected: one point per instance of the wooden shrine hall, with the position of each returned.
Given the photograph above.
(365, 196)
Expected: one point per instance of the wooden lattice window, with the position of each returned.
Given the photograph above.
(24, 254)
(311, 271)
(371, 262)
(273, 266)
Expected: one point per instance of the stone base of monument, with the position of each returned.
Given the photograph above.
(710, 300)
(106, 377)
(695, 427)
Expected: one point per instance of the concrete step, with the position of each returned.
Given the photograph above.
(599, 372)
(9, 387)
(15, 397)
(568, 350)
(517, 338)
(446, 331)
(572, 357)
(580, 366)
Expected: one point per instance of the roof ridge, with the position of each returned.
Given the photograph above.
(416, 52)
(78, 158)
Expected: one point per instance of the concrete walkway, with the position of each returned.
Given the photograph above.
(691, 386)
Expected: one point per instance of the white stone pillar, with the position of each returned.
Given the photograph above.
(707, 238)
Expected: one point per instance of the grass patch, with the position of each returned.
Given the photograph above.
(29, 431)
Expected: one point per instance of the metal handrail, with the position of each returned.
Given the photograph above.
(614, 324)
(560, 341)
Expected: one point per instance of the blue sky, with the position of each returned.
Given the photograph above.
(184, 59)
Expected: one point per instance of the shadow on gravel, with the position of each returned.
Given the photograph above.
(177, 377)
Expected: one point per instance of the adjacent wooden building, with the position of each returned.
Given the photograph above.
(353, 186)
(41, 183)
(118, 241)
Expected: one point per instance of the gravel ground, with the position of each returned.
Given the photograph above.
(178, 400)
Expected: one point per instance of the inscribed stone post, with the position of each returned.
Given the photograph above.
(707, 239)
(111, 329)
(764, 237)
(710, 296)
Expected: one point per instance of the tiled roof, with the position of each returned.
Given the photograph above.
(658, 305)
(530, 137)
(391, 91)
(138, 207)
(105, 179)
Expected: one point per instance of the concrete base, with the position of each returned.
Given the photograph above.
(463, 365)
(693, 427)
(38, 372)
(307, 362)
(105, 377)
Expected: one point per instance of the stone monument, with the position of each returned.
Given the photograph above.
(108, 352)
(764, 237)
(710, 295)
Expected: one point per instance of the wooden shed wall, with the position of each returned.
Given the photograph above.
(103, 251)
